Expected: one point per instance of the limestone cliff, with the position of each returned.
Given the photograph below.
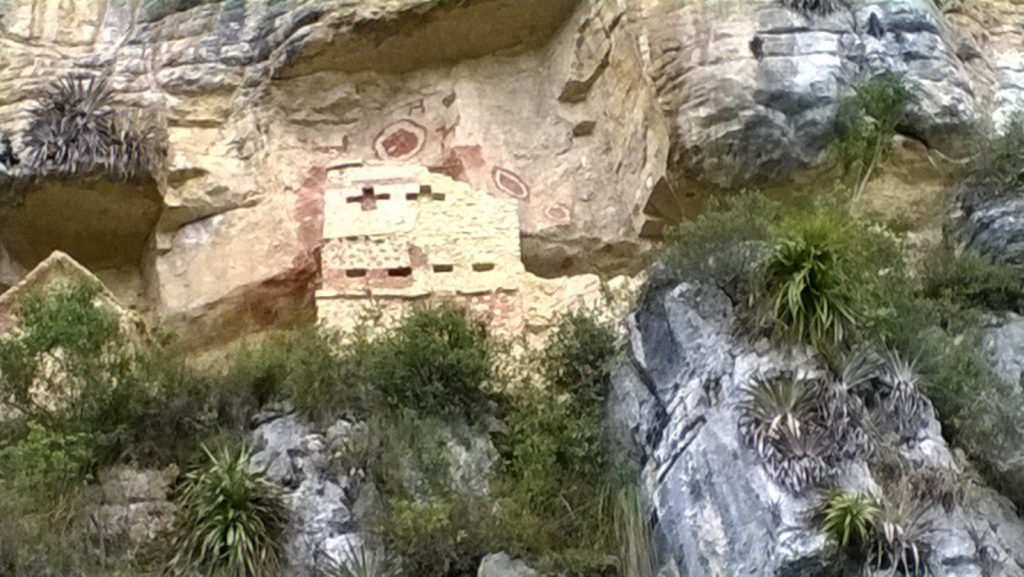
(600, 119)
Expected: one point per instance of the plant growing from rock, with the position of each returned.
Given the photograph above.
(998, 167)
(230, 519)
(899, 543)
(75, 129)
(802, 428)
(362, 562)
(771, 408)
(849, 519)
(902, 396)
(805, 290)
(866, 123)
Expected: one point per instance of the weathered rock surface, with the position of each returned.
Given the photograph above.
(717, 510)
(501, 565)
(989, 219)
(330, 501)
(321, 527)
(601, 118)
(134, 507)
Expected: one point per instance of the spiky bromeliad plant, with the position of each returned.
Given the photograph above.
(230, 519)
(899, 543)
(77, 129)
(773, 406)
(802, 429)
(849, 518)
(362, 562)
(806, 287)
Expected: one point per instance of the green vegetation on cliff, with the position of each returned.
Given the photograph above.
(80, 394)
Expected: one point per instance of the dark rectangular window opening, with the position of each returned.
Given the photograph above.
(355, 273)
(437, 196)
(483, 266)
(400, 271)
(443, 268)
(412, 196)
(383, 196)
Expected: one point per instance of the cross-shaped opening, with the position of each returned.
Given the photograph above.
(368, 200)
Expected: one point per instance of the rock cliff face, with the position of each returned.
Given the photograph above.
(600, 119)
(717, 508)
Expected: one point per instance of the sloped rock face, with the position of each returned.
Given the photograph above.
(321, 527)
(717, 510)
(602, 119)
(989, 219)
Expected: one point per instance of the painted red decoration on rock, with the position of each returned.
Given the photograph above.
(558, 213)
(509, 183)
(401, 140)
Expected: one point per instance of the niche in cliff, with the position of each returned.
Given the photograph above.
(103, 223)
(427, 34)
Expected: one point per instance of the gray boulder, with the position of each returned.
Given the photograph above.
(674, 406)
(501, 565)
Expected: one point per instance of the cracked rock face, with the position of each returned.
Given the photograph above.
(674, 405)
(600, 118)
(321, 527)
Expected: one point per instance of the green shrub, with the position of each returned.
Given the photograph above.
(308, 367)
(719, 245)
(577, 357)
(438, 536)
(42, 504)
(68, 343)
(866, 123)
(230, 519)
(436, 361)
(806, 285)
(998, 164)
(968, 280)
(557, 488)
(849, 519)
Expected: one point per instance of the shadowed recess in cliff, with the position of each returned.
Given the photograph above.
(101, 222)
(427, 34)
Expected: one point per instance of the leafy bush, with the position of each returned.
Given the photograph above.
(849, 519)
(721, 244)
(309, 367)
(557, 488)
(866, 123)
(999, 164)
(230, 519)
(577, 357)
(41, 503)
(806, 286)
(439, 536)
(75, 129)
(68, 343)
(968, 280)
(436, 361)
